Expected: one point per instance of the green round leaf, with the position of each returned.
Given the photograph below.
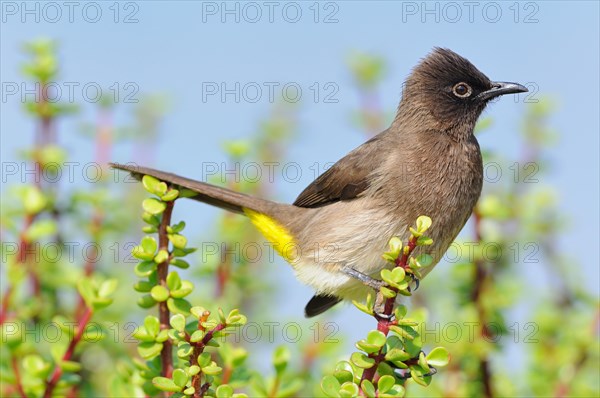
(424, 260)
(224, 391)
(179, 263)
(396, 354)
(376, 337)
(349, 389)
(143, 286)
(154, 206)
(35, 365)
(367, 387)
(70, 366)
(151, 184)
(281, 357)
(161, 256)
(145, 268)
(149, 350)
(361, 360)
(169, 196)
(439, 356)
(178, 322)
(159, 293)
(387, 293)
(385, 383)
(139, 253)
(173, 280)
(330, 386)
(186, 288)
(178, 241)
(204, 359)
(400, 311)
(212, 370)
(149, 245)
(151, 219)
(146, 301)
(34, 200)
(179, 306)
(40, 229)
(107, 287)
(152, 325)
(180, 378)
(423, 223)
(164, 384)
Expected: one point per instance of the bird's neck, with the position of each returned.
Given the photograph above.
(413, 117)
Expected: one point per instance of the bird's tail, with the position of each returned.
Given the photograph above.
(207, 193)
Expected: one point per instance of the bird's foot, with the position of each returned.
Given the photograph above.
(379, 308)
(376, 284)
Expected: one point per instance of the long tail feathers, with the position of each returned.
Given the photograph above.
(206, 193)
(238, 203)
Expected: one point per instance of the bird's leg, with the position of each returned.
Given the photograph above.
(373, 283)
(366, 280)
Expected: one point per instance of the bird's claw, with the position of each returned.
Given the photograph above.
(417, 282)
(379, 308)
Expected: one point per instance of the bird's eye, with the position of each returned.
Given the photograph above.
(462, 90)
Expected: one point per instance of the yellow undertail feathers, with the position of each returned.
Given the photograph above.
(283, 242)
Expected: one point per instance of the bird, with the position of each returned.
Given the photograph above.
(427, 162)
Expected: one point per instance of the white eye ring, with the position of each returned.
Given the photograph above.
(462, 90)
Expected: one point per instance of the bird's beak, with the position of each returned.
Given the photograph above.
(501, 88)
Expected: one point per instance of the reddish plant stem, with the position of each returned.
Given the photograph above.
(223, 274)
(57, 373)
(201, 389)
(44, 138)
(22, 257)
(17, 373)
(384, 323)
(5, 304)
(478, 286)
(564, 386)
(166, 354)
(227, 372)
(24, 251)
(89, 267)
(103, 147)
(208, 336)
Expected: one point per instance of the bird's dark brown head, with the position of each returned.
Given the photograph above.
(450, 92)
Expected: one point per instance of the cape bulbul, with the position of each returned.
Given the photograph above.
(427, 162)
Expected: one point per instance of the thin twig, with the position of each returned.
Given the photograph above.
(51, 384)
(164, 315)
(384, 323)
(17, 373)
(478, 286)
(22, 256)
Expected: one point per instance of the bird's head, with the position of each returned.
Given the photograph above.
(450, 92)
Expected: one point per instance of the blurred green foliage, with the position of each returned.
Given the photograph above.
(465, 307)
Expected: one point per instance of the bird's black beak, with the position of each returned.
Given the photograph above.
(501, 88)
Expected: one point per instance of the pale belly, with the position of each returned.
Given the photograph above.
(358, 238)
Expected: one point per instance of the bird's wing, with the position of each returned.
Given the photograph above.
(345, 180)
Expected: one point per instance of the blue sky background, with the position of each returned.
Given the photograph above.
(172, 50)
